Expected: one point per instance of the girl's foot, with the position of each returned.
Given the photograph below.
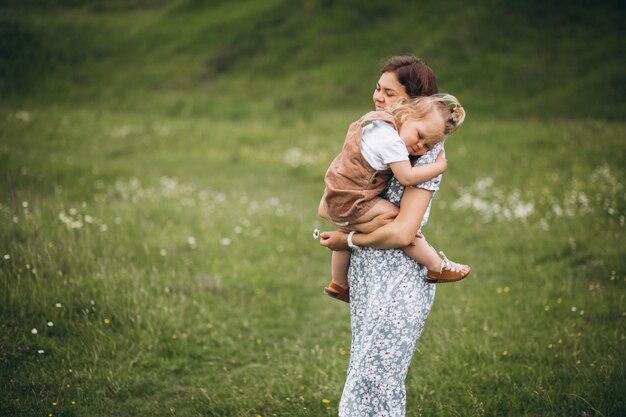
(450, 271)
(337, 291)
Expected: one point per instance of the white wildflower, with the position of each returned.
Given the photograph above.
(23, 116)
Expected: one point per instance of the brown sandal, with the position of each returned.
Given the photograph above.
(336, 291)
(450, 272)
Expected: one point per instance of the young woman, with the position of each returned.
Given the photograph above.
(390, 297)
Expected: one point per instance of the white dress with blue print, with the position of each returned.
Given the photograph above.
(389, 302)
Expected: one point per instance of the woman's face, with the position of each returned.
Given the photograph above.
(388, 91)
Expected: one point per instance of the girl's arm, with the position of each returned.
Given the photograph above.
(408, 175)
(397, 234)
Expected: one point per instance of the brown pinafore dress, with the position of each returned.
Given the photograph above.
(352, 185)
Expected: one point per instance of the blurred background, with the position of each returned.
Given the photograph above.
(162, 161)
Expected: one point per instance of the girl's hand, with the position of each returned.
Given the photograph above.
(441, 161)
(334, 240)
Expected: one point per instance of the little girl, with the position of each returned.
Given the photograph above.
(372, 152)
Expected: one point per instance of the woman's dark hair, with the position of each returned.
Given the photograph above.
(413, 73)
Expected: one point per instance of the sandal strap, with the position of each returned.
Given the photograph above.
(448, 264)
(337, 288)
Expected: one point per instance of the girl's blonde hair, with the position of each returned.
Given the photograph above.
(448, 106)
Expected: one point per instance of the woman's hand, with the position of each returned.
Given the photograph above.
(334, 240)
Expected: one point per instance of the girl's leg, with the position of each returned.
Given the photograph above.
(339, 268)
(439, 270)
(424, 254)
(368, 222)
(338, 288)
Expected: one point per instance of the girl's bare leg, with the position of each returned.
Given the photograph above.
(339, 268)
(424, 254)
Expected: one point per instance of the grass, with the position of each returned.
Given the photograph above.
(160, 216)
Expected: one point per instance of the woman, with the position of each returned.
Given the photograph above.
(389, 295)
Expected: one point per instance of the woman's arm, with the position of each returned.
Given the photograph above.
(397, 234)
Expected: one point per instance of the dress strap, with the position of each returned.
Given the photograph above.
(378, 115)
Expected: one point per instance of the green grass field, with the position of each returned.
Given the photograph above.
(161, 168)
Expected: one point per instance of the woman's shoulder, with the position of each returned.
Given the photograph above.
(431, 155)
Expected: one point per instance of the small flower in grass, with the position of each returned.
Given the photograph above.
(104, 227)
(316, 233)
(58, 305)
(54, 403)
(225, 241)
(191, 241)
(41, 351)
(325, 401)
(50, 324)
(505, 353)
(550, 345)
(573, 308)
(70, 370)
(73, 402)
(106, 321)
(7, 256)
(34, 331)
(163, 252)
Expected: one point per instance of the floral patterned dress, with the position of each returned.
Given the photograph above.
(389, 302)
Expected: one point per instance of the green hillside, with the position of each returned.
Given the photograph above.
(503, 58)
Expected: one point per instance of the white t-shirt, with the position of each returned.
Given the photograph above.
(381, 145)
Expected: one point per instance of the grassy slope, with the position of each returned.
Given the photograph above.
(501, 58)
(190, 92)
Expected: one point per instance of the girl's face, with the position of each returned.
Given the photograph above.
(419, 136)
(388, 91)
